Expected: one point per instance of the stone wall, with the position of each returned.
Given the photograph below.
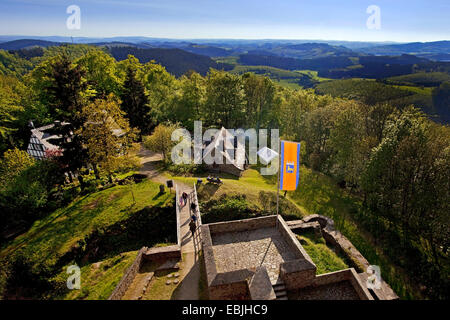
(260, 287)
(344, 246)
(348, 275)
(197, 207)
(359, 286)
(177, 211)
(229, 291)
(339, 241)
(242, 225)
(335, 239)
(162, 253)
(222, 286)
(297, 273)
(128, 277)
(292, 240)
(331, 277)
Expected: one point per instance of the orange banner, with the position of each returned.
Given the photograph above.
(290, 165)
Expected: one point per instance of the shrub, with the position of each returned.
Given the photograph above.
(286, 208)
(228, 207)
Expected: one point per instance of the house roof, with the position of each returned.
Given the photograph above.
(44, 136)
(227, 138)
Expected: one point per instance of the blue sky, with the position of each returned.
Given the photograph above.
(401, 20)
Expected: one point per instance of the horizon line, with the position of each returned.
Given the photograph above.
(216, 39)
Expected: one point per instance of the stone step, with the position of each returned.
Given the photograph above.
(279, 289)
(169, 264)
(279, 286)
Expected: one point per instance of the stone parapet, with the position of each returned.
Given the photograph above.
(297, 274)
(242, 225)
(260, 287)
(162, 253)
(128, 276)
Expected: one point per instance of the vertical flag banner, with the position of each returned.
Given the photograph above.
(290, 165)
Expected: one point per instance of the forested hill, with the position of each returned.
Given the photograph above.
(438, 50)
(176, 61)
(26, 44)
(375, 67)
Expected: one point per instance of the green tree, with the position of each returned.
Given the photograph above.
(14, 162)
(318, 125)
(100, 73)
(189, 100)
(349, 144)
(160, 141)
(259, 99)
(225, 101)
(108, 137)
(10, 109)
(160, 87)
(135, 102)
(66, 90)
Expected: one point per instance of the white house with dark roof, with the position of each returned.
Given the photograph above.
(44, 139)
(231, 152)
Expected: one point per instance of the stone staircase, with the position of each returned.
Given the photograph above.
(280, 291)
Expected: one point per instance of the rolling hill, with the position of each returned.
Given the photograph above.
(176, 61)
(438, 50)
(26, 44)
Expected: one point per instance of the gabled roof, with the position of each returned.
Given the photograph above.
(44, 136)
(40, 140)
(227, 138)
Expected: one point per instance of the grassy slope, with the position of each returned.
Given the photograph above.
(319, 194)
(286, 78)
(421, 78)
(250, 184)
(58, 232)
(54, 235)
(99, 279)
(326, 259)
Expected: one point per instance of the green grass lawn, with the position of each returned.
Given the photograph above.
(250, 184)
(54, 235)
(158, 289)
(325, 259)
(99, 279)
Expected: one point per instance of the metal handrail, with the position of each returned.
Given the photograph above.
(177, 206)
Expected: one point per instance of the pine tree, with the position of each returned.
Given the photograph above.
(135, 102)
(66, 93)
(66, 90)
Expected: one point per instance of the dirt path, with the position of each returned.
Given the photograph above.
(149, 162)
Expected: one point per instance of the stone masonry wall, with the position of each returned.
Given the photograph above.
(242, 225)
(291, 239)
(128, 277)
(297, 274)
(260, 287)
(162, 253)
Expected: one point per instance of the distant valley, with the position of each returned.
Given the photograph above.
(412, 73)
